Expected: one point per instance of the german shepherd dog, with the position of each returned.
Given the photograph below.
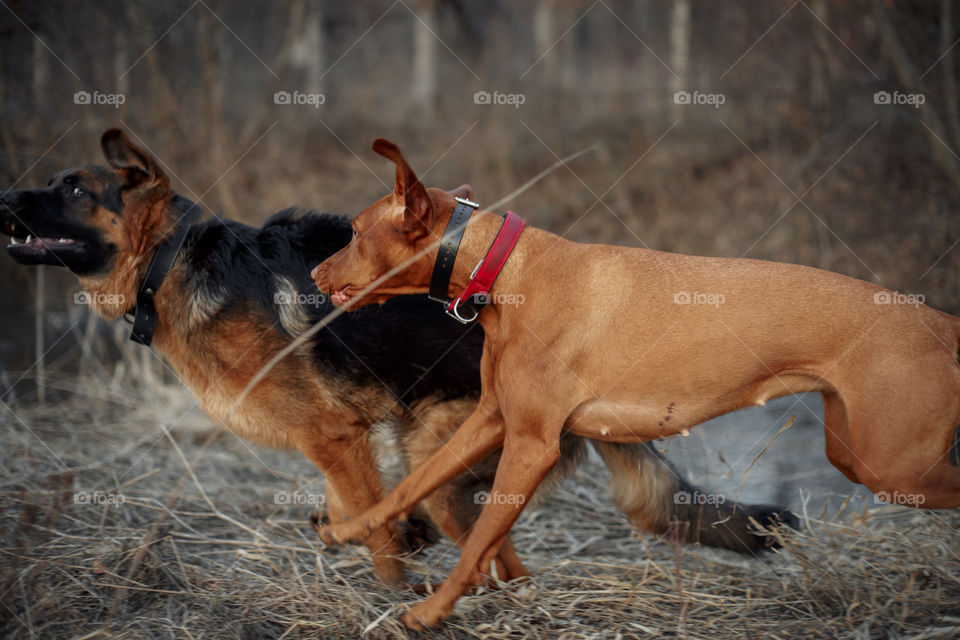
(234, 296)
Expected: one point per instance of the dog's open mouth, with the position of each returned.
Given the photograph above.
(341, 296)
(26, 246)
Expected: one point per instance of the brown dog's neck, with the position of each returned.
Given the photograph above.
(478, 238)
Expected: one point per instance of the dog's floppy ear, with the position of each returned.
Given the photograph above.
(418, 211)
(135, 166)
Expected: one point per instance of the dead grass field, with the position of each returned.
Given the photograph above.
(199, 549)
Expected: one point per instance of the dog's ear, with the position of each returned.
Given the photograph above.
(135, 166)
(418, 210)
(463, 191)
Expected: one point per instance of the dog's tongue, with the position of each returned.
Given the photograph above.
(340, 297)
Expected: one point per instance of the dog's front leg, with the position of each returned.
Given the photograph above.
(527, 458)
(478, 436)
(353, 485)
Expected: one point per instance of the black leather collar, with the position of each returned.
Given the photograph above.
(447, 254)
(145, 312)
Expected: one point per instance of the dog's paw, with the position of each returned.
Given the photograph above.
(319, 519)
(424, 615)
(771, 516)
(348, 532)
(418, 533)
(431, 611)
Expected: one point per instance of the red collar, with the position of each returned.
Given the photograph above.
(476, 295)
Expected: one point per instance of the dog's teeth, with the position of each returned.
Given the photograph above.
(64, 240)
(29, 238)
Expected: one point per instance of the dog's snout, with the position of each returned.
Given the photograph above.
(13, 199)
(9, 201)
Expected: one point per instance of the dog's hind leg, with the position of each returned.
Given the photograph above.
(653, 495)
(900, 435)
(837, 435)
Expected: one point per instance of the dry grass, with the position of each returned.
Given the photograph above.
(207, 553)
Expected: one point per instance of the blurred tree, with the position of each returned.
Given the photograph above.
(908, 77)
(543, 38)
(306, 48)
(425, 55)
(680, 50)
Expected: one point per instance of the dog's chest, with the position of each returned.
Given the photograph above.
(217, 385)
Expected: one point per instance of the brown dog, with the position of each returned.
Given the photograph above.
(600, 347)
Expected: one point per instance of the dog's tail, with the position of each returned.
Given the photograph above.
(656, 499)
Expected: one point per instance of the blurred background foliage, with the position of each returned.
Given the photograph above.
(800, 163)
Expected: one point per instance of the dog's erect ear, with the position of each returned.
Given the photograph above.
(418, 212)
(135, 166)
(463, 191)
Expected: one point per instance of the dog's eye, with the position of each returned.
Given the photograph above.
(78, 192)
(355, 234)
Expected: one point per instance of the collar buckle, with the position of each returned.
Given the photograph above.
(454, 312)
(467, 201)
